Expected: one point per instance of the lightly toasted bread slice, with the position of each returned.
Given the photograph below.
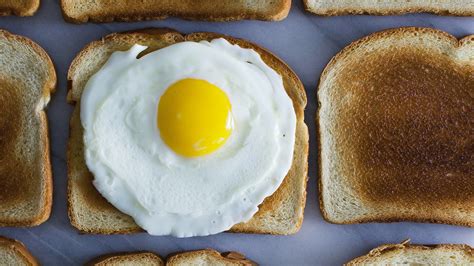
(407, 254)
(281, 213)
(389, 7)
(81, 11)
(396, 129)
(27, 78)
(13, 252)
(18, 7)
(197, 257)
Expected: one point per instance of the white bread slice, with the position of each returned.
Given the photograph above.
(27, 78)
(281, 213)
(13, 252)
(80, 11)
(390, 7)
(18, 7)
(395, 126)
(406, 254)
(198, 258)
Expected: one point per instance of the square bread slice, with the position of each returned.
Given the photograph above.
(198, 257)
(18, 7)
(13, 252)
(80, 11)
(396, 129)
(406, 254)
(390, 7)
(27, 78)
(281, 213)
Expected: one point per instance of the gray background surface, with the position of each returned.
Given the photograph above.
(306, 42)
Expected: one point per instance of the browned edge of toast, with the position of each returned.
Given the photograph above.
(380, 12)
(23, 10)
(187, 13)
(119, 256)
(334, 59)
(298, 96)
(231, 256)
(387, 248)
(20, 249)
(49, 87)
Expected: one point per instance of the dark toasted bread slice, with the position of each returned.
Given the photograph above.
(27, 78)
(396, 129)
(390, 7)
(13, 252)
(18, 7)
(281, 213)
(406, 254)
(80, 11)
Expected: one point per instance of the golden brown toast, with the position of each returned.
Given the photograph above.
(26, 80)
(13, 252)
(396, 129)
(18, 7)
(281, 213)
(80, 11)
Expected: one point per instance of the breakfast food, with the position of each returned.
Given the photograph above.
(395, 125)
(198, 257)
(27, 79)
(13, 252)
(406, 254)
(389, 7)
(187, 179)
(19, 8)
(80, 11)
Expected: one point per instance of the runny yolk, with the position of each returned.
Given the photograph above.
(194, 117)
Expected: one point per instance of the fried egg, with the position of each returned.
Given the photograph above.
(190, 139)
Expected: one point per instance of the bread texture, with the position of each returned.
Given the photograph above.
(128, 259)
(81, 11)
(281, 213)
(198, 258)
(27, 79)
(13, 252)
(406, 254)
(18, 7)
(389, 7)
(396, 129)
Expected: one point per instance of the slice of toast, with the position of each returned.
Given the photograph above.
(129, 259)
(406, 254)
(390, 7)
(199, 257)
(27, 78)
(396, 129)
(13, 252)
(281, 213)
(80, 11)
(18, 7)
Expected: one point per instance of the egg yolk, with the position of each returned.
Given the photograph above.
(194, 117)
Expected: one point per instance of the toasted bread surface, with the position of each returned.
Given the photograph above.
(209, 257)
(80, 11)
(389, 7)
(406, 254)
(128, 259)
(396, 129)
(13, 252)
(18, 7)
(281, 213)
(26, 80)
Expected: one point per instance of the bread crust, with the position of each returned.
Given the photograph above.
(19, 8)
(231, 258)
(293, 188)
(389, 248)
(43, 171)
(122, 257)
(19, 248)
(384, 12)
(387, 217)
(151, 10)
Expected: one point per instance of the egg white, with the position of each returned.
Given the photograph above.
(168, 194)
